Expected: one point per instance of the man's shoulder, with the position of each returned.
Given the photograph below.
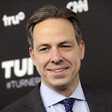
(15, 106)
(25, 102)
(102, 93)
(98, 98)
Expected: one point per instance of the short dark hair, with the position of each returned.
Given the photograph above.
(51, 11)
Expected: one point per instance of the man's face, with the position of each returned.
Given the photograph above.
(56, 53)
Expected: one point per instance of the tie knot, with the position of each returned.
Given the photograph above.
(68, 103)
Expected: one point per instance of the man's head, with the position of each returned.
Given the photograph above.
(53, 12)
(56, 48)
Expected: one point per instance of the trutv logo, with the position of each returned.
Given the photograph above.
(79, 6)
(13, 19)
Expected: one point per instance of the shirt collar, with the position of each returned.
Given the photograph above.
(50, 97)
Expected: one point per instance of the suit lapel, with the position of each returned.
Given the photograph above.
(33, 102)
(96, 102)
(94, 99)
(90, 98)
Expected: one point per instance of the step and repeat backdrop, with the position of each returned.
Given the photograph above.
(17, 73)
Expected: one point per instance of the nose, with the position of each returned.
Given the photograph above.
(56, 57)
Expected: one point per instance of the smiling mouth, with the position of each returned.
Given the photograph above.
(58, 70)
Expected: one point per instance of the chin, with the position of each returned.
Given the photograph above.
(61, 86)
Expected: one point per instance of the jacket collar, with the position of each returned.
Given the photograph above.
(33, 102)
(95, 99)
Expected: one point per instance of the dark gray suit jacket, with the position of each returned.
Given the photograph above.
(97, 101)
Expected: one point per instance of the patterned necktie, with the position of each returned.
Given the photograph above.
(68, 103)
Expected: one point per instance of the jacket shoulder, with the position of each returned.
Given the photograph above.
(15, 106)
(27, 103)
(99, 99)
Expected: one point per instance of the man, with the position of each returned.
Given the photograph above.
(57, 50)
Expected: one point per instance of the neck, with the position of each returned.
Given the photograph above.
(67, 91)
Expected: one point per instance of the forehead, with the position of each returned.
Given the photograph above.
(51, 21)
(53, 29)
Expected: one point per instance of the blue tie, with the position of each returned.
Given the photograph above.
(68, 103)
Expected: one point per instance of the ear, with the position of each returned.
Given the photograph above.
(82, 49)
(32, 55)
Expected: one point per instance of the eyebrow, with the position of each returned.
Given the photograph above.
(66, 42)
(61, 43)
(42, 45)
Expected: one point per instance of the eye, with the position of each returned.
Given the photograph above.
(66, 46)
(43, 49)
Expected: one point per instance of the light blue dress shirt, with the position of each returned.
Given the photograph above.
(51, 98)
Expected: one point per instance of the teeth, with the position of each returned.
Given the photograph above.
(59, 70)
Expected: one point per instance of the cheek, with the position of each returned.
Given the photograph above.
(40, 62)
(71, 57)
(74, 59)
